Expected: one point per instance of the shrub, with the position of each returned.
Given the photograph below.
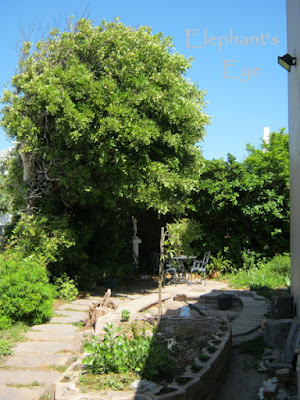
(272, 274)
(66, 287)
(119, 353)
(25, 292)
(280, 264)
(219, 264)
(42, 237)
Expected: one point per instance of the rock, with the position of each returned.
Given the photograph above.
(282, 307)
(261, 367)
(276, 332)
(282, 395)
(141, 385)
(291, 341)
(282, 375)
(180, 297)
(270, 388)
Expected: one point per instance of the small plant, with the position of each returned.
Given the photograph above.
(218, 265)
(46, 396)
(196, 368)
(116, 353)
(254, 347)
(121, 381)
(166, 389)
(79, 324)
(66, 287)
(203, 357)
(5, 347)
(211, 349)
(125, 315)
(58, 368)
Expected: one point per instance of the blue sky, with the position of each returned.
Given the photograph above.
(234, 44)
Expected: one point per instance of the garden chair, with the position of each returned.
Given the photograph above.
(200, 267)
(155, 259)
(176, 270)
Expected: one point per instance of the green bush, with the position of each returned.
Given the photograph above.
(280, 264)
(42, 237)
(272, 274)
(119, 353)
(66, 287)
(219, 264)
(25, 292)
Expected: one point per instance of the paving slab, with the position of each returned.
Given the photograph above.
(43, 347)
(50, 336)
(38, 360)
(66, 320)
(73, 307)
(25, 377)
(67, 329)
(88, 302)
(23, 393)
(74, 314)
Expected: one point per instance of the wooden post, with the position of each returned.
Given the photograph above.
(161, 273)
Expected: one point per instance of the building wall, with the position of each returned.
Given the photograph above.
(293, 35)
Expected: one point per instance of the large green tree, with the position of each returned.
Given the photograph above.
(244, 206)
(106, 125)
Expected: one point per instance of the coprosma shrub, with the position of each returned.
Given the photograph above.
(25, 292)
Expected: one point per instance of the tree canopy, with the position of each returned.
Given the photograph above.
(244, 206)
(107, 126)
(104, 114)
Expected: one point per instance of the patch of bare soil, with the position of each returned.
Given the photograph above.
(242, 381)
(188, 340)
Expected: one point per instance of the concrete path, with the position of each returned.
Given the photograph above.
(38, 362)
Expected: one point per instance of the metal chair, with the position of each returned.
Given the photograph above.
(155, 258)
(200, 267)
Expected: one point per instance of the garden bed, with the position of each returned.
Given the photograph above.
(201, 350)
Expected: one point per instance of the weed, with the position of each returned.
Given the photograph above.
(15, 333)
(66, 287)
(79, 324)
(46, 396)
(28, 385)
(114, 381)
(203, 357)
(58, 368)
(264, 277)
(125, 315)
(5, 347)
(211, 349)
(254, 347)
(196, 368)
(10, 336)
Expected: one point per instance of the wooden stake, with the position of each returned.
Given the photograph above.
(161, 272)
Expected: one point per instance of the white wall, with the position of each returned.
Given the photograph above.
(293, 35)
